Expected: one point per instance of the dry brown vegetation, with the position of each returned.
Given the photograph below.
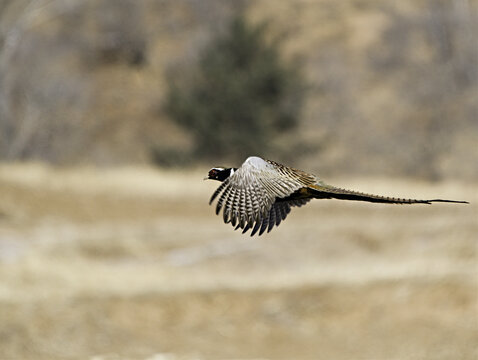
(132, 263)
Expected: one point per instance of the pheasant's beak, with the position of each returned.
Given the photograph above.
(206, 178)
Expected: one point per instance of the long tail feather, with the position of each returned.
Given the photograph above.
(331, 192)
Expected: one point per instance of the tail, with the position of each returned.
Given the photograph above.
(323, 191)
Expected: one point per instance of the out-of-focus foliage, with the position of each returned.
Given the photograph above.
(54, 103)
(392, 86)
(239, 96)
(438, 92)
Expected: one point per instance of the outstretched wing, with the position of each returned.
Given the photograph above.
(248, 196)
(323, 191)
(260, 194)
(278, 212)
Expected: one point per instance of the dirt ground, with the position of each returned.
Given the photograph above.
(133, 264)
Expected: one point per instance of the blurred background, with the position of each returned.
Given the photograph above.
(112, 112)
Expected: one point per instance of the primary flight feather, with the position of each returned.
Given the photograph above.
(259, 194)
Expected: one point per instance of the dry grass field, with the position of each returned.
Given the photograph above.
(132, 263)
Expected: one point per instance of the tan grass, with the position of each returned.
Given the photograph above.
(137, 258)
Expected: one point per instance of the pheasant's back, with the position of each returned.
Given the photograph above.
(298, 175)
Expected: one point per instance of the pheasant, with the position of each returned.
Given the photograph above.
(261, 193)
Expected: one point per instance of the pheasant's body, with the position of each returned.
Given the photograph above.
(260, 193)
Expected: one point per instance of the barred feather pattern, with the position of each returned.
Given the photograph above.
(248, 197)
(260, 194)
(277, 213)
(331, 192)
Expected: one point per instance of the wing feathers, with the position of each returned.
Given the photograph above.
(259, 195)
(248, 197)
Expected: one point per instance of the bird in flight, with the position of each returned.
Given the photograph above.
(261, 193)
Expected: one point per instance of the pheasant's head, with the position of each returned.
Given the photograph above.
(219, 173)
